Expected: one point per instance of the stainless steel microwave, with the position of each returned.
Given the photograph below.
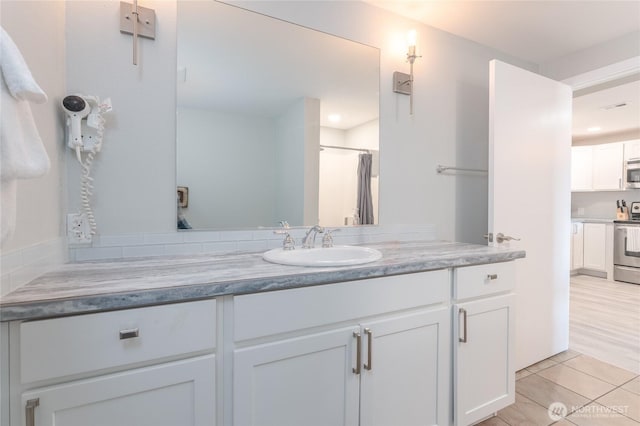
(632, 175)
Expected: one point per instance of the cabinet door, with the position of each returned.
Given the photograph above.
(607, 166)
(631, 149)
(577, 246)
(484, 372)
(594, 246)
(177, 393)
(405, 370)
(307, 380)
(581, 168)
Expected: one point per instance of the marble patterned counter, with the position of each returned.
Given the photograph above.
(86, 287)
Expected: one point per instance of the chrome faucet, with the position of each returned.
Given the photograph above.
(309, 240)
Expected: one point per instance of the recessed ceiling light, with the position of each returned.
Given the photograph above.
(334, 118)
(614, 106)
(594, 129)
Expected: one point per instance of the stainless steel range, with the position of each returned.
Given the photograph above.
(626, 250)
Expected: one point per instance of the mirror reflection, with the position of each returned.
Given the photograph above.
(275, 122)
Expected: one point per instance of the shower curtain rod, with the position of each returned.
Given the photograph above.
(345, 147)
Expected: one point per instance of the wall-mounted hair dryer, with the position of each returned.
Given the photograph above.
(76, 108)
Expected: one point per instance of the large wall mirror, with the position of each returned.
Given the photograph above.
(275, 122)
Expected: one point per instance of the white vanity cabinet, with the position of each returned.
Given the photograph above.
(370, 352)
(149, 366)
(483, 341)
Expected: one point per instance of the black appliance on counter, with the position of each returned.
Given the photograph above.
(626, 250)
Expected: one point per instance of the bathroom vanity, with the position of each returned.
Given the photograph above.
(422, 336)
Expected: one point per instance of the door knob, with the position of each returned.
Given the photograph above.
(500, 238)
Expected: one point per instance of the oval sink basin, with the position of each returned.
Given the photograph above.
(333, 256)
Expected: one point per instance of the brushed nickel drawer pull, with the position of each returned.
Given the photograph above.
(129, 334)
(492, 276)
(358, 337)
(464, 325)
(30, 411)
(369, 334)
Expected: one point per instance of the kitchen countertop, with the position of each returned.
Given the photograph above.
(591, 220)
(86, 287)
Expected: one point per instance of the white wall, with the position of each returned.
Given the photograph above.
(37, 28)
(221, 194)
(135, 174)
(616, 50)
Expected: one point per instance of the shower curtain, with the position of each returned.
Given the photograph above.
(364, 201)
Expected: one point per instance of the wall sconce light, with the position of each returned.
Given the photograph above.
(402, 82)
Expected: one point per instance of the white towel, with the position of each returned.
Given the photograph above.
(22, 154)
(633, 239)
(16, 74)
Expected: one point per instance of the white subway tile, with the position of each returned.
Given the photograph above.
(143, 251)
(236, 235)
(220, 247)
(200, 236)
(167, 238)
(192, 248)
(98, 253)
(253, 246)
(118, 240)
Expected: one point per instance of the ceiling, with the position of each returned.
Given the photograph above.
(613, 110)
(536, 31)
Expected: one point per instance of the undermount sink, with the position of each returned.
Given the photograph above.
(332, 256)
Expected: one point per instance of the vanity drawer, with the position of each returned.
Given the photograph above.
(80, 344)
(266, 314)
(483, 280)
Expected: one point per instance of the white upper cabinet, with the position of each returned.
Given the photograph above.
(632, 149)
(607, 167)
(581, 168)
(599, 167)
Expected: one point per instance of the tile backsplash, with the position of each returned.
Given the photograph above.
(195, 242)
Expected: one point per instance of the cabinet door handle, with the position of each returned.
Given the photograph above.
(463, 339)
(369, 334)
(358, 337)
(129, 333)
(30, 411)
(492, 276)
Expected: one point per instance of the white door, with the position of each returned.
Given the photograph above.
(307, 380)
(405, 370)
(177, 393)
(530, 199)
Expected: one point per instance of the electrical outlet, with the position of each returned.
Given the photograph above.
(78, 230)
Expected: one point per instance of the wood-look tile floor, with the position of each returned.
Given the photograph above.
(597, 381)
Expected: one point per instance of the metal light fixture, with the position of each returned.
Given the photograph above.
(138, 21)
(402, 82)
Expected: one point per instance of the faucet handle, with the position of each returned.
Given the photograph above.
(327, 239)
(284, 224)
(288, 243)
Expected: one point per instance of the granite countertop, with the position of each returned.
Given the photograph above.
(87, 287)
(592, 220)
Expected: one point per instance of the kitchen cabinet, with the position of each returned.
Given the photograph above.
(631, 149)
(597, 167)
(595, 246)
(146, 366)
(483, 336)
(373, 366)
(577, 245)
(608, 166)
(581, 168)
